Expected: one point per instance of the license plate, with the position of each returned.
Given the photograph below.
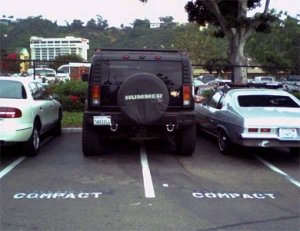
(102, 120)
(287, 132)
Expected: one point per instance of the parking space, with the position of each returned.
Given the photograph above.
(146, 186)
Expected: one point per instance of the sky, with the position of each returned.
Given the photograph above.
(116, 12)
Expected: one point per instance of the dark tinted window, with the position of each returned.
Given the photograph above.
(12, 90)
(266, 101)
(115, 72)
(39, 92)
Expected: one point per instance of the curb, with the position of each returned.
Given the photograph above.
(71, 130)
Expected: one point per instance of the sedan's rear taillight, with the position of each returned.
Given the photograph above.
(10, 112)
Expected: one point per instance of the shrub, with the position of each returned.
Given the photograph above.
(71, 94)
(297, 95)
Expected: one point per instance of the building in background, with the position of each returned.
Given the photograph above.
(46, 49)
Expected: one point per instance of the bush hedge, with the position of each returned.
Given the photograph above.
(71, 94)
(297, 95)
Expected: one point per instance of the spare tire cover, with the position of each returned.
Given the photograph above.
(143, 97)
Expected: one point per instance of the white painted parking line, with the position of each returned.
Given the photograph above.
(277, 170)
(11, 166)
(148, 185)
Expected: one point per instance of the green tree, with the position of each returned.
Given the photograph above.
(233, 23)
(65, 59)
(76, 24)
(141, 23)
(279, 49)
(200, 46)
(101, 23)
(166, 20)
(91, 24)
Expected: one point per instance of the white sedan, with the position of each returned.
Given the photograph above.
(27, 110)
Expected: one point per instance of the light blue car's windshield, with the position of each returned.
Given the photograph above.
(266, 101)
(12, 90)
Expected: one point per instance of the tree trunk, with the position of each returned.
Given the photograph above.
(237, 58)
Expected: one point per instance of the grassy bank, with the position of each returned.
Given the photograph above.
(72, 119)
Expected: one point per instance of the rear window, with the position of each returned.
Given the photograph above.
(115, 72)
(266, 79)
(266, 101)
(293, 78)
(12, 90)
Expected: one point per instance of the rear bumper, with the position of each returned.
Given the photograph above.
(268, 143)
(177, 118)
(18, 133)
(123, 127)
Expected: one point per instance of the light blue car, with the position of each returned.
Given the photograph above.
(251, 117)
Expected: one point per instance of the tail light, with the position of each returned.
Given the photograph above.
(261, 130)
(96, 94)
(187, 95)
(10, 112)
(265, 130)
(251, 130)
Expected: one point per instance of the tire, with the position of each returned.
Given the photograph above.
(224, 143)
(32, 146)
(295, 151)
(141, 110)
(91, 142)
(185, 140)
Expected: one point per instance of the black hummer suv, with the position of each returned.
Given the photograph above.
(140, 95)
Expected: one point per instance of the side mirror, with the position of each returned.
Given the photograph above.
(85, 77)
(55, 96)
(199, 99)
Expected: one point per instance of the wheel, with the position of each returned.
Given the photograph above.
(295, 150)
(224, 143)
(32, 146)
(91, 142)
(185, 140)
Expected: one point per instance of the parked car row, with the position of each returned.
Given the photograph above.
(27, 111)
(43, 75)
(236, 116)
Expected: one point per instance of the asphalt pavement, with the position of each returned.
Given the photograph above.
(146, 186)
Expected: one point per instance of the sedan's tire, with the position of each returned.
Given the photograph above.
(91, 141)
(224, 143)
(185, 140)
(32, 146)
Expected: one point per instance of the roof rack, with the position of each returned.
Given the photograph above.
(135, 49)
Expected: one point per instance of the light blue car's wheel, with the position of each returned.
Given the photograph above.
(224, 143)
